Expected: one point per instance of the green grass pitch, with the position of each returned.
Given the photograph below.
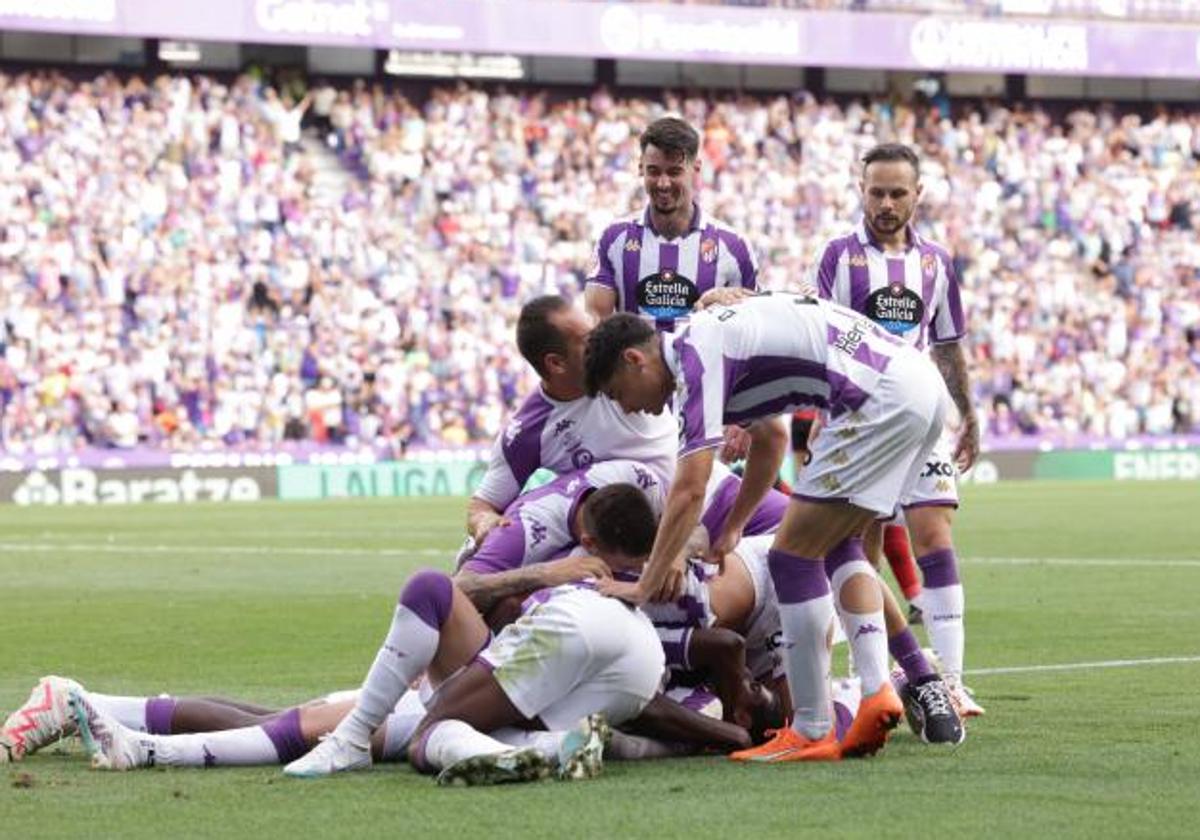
(278, 602)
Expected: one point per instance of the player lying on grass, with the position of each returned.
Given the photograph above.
(740, 597)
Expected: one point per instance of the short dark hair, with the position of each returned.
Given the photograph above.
(890, 152)
(605, 345)
(619, 518)
(673, 136)
(536, 336)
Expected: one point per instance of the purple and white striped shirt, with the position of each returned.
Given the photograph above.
(541, 523)
(914, 295)
(771, 354)
(661, 279)
(567, 436)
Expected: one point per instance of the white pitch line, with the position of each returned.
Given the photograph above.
(1084, 666)
(1140, 562)
(255, 550)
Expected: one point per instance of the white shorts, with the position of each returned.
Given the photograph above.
(872, 457)
(575, 654)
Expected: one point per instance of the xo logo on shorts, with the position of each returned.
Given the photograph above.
(942, 468)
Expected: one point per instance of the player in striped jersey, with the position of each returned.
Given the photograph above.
(658, 263)
(756, 360)
(560, 428)
(907, 284)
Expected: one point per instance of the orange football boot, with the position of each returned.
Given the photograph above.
(789, 745)
(877, 716)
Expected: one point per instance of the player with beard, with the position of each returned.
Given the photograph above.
(908, 285)
(659, 263)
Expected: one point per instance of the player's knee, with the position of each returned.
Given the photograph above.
(429, 593)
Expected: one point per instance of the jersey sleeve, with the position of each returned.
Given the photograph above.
(744, 258)
(602, 271)
(823, 276)
(948, 323)
(700, 393)
(516, 454)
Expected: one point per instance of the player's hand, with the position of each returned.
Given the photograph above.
(725, 542)
(736, 445)
(571, 569)
(967, 450)
(487, 524)
(724, 296)
(671, 587)
(623, 590)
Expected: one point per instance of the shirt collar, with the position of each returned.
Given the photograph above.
(693, 225)
(866, 237)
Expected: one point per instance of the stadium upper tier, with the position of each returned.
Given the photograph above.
(179, 265)
(1134, 10)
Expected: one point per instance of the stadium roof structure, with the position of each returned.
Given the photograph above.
(650, 31)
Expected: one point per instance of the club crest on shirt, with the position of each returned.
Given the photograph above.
(708, 250)
(928, 264)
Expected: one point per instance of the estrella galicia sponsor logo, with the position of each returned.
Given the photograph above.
(896, 308)
(667, 294)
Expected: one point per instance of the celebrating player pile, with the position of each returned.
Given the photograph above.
(646, 573)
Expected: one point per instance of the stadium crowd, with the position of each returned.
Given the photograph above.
(171, 275)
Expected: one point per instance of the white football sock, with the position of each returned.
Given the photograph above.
(943, 608)
(130, 712)
(232, 748)
(399, 726)
(549, 744)
(406, 652)
(451, 741)
(864, 631)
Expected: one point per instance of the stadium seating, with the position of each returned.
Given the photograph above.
(178, 264)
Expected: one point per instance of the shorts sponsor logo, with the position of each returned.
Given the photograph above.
(936, 468)
(667, 295)
(896, 308)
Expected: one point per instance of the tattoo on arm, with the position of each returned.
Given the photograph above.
(952, 364)
(485, 591)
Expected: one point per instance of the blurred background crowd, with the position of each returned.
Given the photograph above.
(185, 261)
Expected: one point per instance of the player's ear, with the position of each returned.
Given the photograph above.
(555, 362)
(632, 356)
(585, 540)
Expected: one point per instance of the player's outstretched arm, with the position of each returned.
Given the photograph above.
(722, 653)
(952, 363)
(666, 720)
(768, 446)
(487, 590)
(662, 578)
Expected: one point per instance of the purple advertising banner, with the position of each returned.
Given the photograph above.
(646, 31)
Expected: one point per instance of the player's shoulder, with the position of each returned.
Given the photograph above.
(722, 228)
(618, 226)
(531, 418)
(840, 243)
(930, 246)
